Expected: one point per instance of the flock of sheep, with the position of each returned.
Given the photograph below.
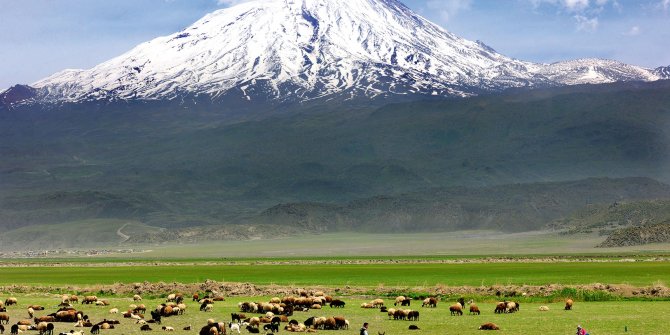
(253, 317)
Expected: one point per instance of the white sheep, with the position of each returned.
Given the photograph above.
(168, 328)
(137, 297)
(234, 327)
(544, 308)
(114, 311)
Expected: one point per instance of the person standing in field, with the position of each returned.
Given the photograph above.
(364, 329)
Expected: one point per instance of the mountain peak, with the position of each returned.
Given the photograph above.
(298, 50)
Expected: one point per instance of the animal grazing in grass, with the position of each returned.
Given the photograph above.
(429, 302)
(90, 299)
(474, 309)
(11, 301)
(95, 329)
(168, 328)
(4, 318)
(145, 328)
(489, 326)
(501, 307)
(456, 309)
(337, 303)
(544, 308)
(137, 297)
(252, 330)
(568, 304)
(2, 329)
(413, 327)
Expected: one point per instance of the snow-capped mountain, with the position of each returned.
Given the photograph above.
(307, 49)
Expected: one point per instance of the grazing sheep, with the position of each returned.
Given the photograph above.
(253, 330)
(234, 327)
(399, 300)
(50, 328)
(137, 297)
(456, 309)
(11, 301)
(413, 327)
(90, 299)
(568, 304)
(377, 303)
(24, 322)
(14, 330)
(2, 329)
(41, 328)
(544, 308)
(207, 308)
(391, 312)
(74, 298)
(489, 326)
(430, 302)
(95, 329)
(145, 328)
(187, 327)
(114, 311)
(367, 305)
(4, 318)
(474, 309)
(337, 303)
(255, 322)
(30, 312)
(171, 297)
(501, 307)
(512, 307)
(168, 329)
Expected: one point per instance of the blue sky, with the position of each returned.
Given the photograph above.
(40, 37)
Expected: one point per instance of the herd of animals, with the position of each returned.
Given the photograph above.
(253, 317)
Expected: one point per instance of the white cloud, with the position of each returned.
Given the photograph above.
(446, 9)
(665, 4)
(585, 23)
(634, 31)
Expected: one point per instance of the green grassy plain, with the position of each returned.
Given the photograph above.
(366, 275)
(597, 317)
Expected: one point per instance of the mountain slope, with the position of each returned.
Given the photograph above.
(170, 166)
(298, 50)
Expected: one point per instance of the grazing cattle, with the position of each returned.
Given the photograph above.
(413, 327)
(456, 309)
(474, 309)
(145, 328)
(489, 326)
(568, 304)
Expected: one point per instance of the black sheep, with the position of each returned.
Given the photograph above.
(95, 329)
(14, 330)
(253, 330)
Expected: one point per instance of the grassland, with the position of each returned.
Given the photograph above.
(597, 317)
(365, 275)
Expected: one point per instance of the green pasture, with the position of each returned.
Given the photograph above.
(365, 275)
(610, 318)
